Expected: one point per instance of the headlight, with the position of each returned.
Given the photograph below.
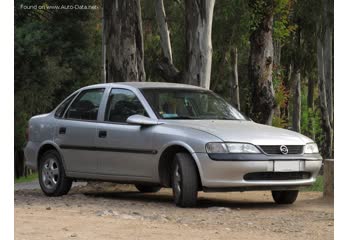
(311, 148)
(216, 148)
(231, 148)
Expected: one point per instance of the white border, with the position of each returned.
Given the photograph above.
(7, 120)
(341, 106)
(341, 118)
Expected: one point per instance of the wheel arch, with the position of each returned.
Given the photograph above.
(47, 146)
(166, 158)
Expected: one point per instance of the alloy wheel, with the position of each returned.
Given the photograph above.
(50, 173)
(177, 181)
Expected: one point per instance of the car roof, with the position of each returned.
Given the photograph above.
(144, 85)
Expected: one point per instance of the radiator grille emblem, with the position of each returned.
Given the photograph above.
(284, 149)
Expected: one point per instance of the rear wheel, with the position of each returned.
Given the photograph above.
(285, 197)
(52, 178)
(184, 180)
(147, 189)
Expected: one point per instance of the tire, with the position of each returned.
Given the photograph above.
(184, 180)
(147, 189)
(285, 197)
(52, 177)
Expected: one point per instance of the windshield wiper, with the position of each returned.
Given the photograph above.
(180, 117)
(224, 118)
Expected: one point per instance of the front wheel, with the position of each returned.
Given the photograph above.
(184, 180)
(52, 178)
(285, 197)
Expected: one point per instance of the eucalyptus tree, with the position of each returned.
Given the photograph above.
(296, 61)
(325, 71)
(261, 61)
(163, 30)
(123, 40)
(199, 18)
(316, 57)
(198, 28)
(165, 66)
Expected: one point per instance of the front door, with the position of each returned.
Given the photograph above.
(125, 150)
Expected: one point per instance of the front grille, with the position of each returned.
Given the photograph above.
(276, 176)
(275, 149)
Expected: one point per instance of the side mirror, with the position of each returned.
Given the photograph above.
(141, 120)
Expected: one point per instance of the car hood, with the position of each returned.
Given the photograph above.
(244, 131)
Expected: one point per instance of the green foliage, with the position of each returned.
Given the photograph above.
(313, 130)
(231, 24)
(316, 187)
(29, 178)
(281, 97)
(279, 122)
(153, 50)
(282, 25)
(262, 8)
(259, 9)
(281, 92)
(56, 52)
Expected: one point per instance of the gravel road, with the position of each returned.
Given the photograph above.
(35, 185)
(120, 212)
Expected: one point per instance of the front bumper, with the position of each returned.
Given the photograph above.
(228, 171)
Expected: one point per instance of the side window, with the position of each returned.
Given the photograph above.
(122, 103)
(62, 108)
(86, 105)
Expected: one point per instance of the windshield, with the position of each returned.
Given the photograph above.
(190, 104)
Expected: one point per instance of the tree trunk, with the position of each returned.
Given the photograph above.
(260, 71)
(310, 106)
(328, 73)
(277, 48)
(103, 71)
(163, 30)
(165, 67)
(124, 41)
(19, 164)
(296, 89)
(214, 83)
(234, 85)
(296, 100)
(325, 75)
(276, 63)
(288, 109)
(168, 71)
(326, 123)
(199, 16)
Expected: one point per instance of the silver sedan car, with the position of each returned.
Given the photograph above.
(158, 135)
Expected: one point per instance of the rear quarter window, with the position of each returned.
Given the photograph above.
(62, 108)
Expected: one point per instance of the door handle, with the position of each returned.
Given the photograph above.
(102, 134)
(62, 130)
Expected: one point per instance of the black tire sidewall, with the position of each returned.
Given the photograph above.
(189, 182)
(285, 197)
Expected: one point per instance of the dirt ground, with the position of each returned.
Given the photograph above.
(120, 212)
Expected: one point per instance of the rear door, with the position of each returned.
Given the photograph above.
(76, 132)
(125, 150)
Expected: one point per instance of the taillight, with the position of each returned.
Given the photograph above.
(27, 134)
